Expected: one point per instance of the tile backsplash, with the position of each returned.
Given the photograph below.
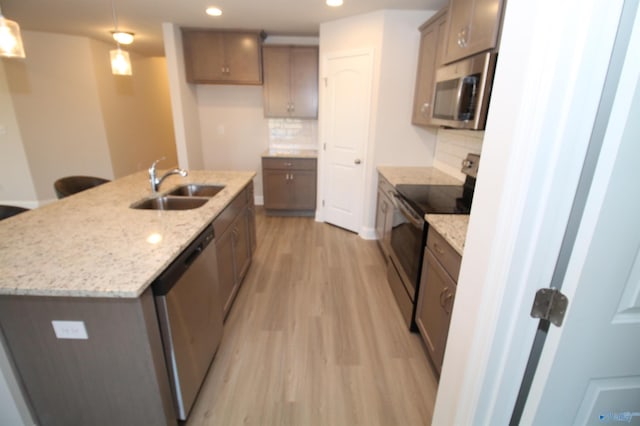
(452, 147)
(291, 133)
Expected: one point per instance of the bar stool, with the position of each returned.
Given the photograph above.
(70, 185)
(8, 211)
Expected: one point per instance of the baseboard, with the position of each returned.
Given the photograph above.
(367, 233)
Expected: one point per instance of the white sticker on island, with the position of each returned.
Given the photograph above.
(70, 329)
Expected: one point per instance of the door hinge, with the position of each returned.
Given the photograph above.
(324, 146)
(322, 203)
(326, 81)
(551, 305)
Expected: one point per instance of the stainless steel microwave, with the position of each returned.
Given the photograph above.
(462, 91)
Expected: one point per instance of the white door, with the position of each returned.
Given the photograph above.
(589, 371)
(346, 85)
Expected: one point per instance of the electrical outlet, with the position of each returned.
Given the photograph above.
(70, 329)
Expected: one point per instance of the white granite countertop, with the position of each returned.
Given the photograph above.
(452, 227)
(290, 153)
(93, 245)
(417, 175)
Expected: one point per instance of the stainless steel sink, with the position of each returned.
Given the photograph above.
(196, 190)
(169, 203)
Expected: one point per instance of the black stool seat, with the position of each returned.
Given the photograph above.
(8, 211)
(73, 184)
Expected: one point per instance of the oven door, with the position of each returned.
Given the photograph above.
(407, 244)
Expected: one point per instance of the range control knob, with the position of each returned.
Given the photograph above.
(467, 164)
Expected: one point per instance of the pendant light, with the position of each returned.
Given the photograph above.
(10, 39)
(120, 61)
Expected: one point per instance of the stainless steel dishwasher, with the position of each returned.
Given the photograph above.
(190, 317)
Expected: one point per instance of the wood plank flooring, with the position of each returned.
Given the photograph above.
(315, 338)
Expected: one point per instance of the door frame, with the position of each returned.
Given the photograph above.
(551, 69)
(367, 153)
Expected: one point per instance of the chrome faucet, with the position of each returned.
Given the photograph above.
(155, 182)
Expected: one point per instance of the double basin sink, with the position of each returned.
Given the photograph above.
(184, 197)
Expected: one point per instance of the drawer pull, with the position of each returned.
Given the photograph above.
(438, 250)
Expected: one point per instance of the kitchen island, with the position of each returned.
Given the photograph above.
(90, 259)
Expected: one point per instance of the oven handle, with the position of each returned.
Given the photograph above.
(407, 212)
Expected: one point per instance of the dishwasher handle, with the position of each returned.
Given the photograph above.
(170, 276)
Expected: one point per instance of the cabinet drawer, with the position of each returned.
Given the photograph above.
(444, 253)
(228, 215)
(289, 163)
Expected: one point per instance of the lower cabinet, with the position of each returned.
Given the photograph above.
(385, 210)
(289, 185)
(235, 242)
(440, 271)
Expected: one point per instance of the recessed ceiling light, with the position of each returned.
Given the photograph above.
(334, 3)
(122, 37)
(214, 11)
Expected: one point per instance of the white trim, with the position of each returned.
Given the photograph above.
(367, 233)
(606, 162)
(545, 94)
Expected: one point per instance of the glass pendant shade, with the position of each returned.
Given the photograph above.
(10, 39)
(120, 62)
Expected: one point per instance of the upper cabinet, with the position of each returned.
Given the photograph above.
(432, 38)
(222, 57)
(473, 27)
(290, 81)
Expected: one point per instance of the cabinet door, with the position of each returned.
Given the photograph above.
(304, 82)
(303, 190)
(241, 247)
(429, 59)
(275, 91)
(243, 57)
(276, 189)
(435, 302)
(473, 27)
(203, 56)
(226, 274)
(382, 219)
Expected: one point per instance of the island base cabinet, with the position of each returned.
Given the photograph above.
(235, 242)
(115, 376)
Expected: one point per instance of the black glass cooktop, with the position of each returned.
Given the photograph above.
(435, 199)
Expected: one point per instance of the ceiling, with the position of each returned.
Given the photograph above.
(94, 18)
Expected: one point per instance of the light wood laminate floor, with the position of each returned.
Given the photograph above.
(315, 338)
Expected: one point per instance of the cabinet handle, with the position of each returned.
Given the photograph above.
(438, 250)
(425, 106)
(288, 164)
(442, 293)
(450, 305)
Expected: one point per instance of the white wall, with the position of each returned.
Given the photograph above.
(55, 97)
(136, 111)
(393, 140)
(184, 104)
(66, 114)
(16, 184)
(234, 130)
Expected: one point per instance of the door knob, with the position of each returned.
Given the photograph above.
(356, 161)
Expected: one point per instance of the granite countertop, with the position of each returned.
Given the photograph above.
(290, 153)
(452, 227)
(417, 175)
(93, 245)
